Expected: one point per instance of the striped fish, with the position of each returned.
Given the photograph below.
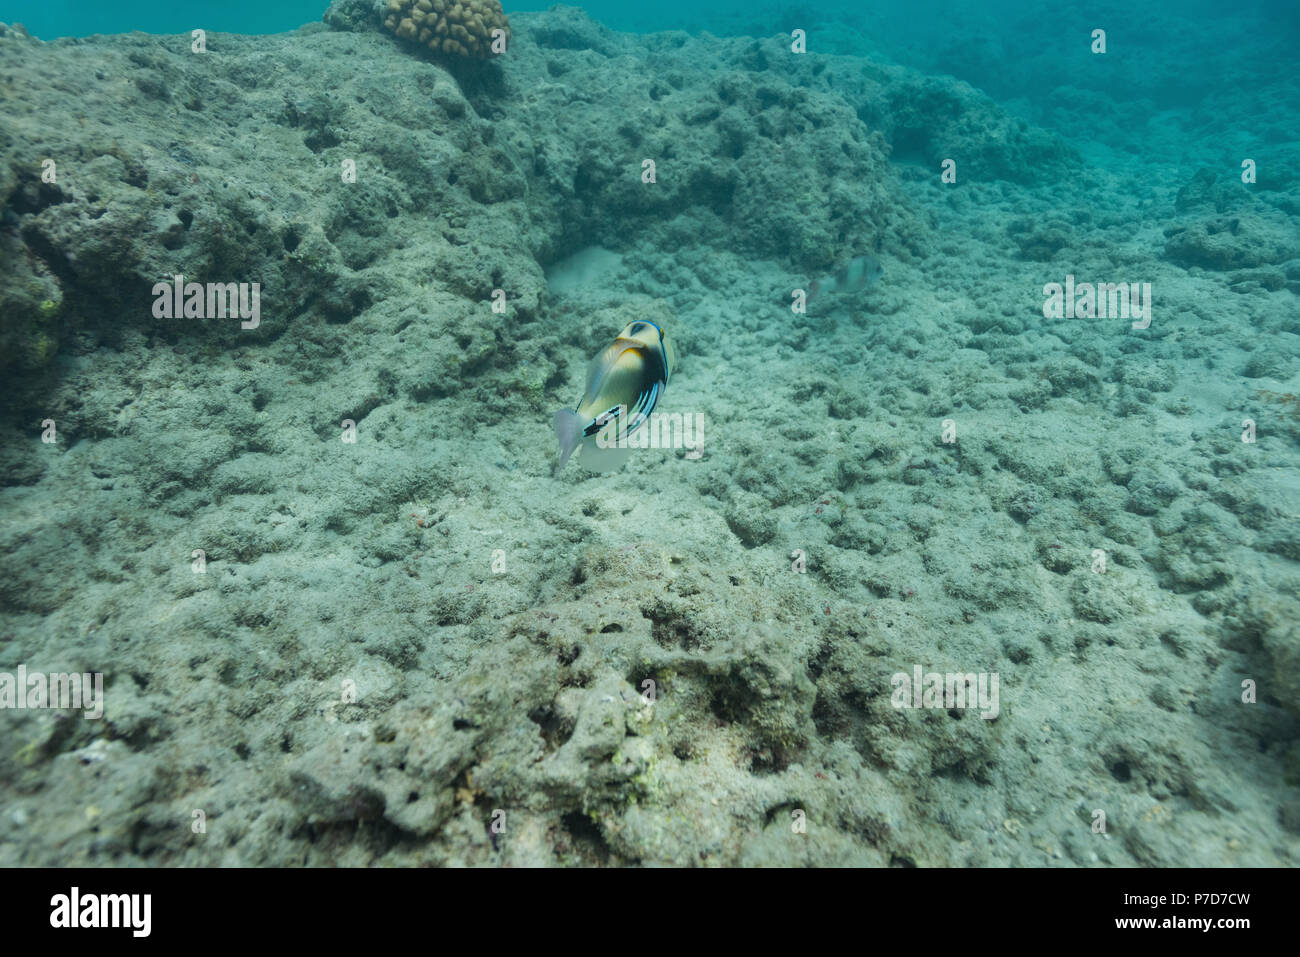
(624, 384)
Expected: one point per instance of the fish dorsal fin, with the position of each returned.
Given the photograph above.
(605, 363)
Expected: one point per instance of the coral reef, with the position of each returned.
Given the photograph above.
(456, 27)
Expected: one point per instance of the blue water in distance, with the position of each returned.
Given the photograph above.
(48, 19)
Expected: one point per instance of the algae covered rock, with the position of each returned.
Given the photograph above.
(750, 517)
(1242, 241)
(31, 308)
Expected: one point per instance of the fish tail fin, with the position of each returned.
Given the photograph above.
(596, 459)
(568, 429)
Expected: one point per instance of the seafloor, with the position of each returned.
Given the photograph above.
(498, 622)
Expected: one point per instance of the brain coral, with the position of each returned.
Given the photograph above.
(457, 27)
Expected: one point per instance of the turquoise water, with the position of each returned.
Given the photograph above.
(1017, 21)
(79, 18)
(983, 45)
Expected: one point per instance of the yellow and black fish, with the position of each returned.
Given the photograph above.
(624, 384)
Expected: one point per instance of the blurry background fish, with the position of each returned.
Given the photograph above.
(853, 276)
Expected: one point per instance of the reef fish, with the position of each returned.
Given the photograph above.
(855, 275)
(624, 384)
